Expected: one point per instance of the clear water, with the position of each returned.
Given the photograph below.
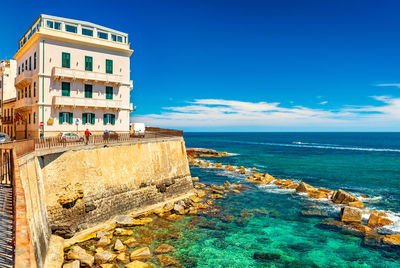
(361, 163)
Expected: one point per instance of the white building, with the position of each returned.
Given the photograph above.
(72, 75)
(8, 71)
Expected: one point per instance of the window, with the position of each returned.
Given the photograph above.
(102, 35)
(87, 32)
(88, 91)
(19, 70)
(50, 24)
(109, 66)
(88, 63)
(114, 37)
(71, 28)
(26, 92)
(30, 91)
(26, 65)
(19, 94)
(29, 119)
(88, 118)
(34, 89)
(65, 89)
(34, 60)
(109, 119)
(22, 93)
(65, 117)
(66, 60)
(57, 25)
(22, 67)
(109, 93)
(34, 117)
(30, 63)
(119, 38)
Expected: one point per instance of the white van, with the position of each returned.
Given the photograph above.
(138, 129)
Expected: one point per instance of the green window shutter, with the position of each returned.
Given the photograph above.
(105, 119)
(61, 118)
(109, 66)
(65, 89)
(84, 118)
(71, 118)
(113, 119)
(88, 91)
(109, 93)
(66, 60)
(88, 63)
(92, 119)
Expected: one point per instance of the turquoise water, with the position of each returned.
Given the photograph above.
(269, 220)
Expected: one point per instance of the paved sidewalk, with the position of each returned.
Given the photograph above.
(6, 227)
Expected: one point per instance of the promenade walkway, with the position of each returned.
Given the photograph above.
(6, 227)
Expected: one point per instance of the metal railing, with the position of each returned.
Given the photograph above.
(6, 168)
(7, 119)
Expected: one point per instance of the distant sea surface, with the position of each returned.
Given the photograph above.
(360, 163)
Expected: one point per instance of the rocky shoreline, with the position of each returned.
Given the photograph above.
(351, 207)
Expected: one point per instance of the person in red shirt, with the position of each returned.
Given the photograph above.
(87, 134)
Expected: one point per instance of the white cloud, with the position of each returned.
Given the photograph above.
(206, 113)
(323, 102)
(388, 85)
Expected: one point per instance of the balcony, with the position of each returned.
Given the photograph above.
(7, 119)
(24, 79)
(65, 73)
(61, 101)
(24, 104)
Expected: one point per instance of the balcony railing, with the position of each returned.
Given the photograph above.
(7, 119)
(61, 73)
(61, 101)
(24, 79)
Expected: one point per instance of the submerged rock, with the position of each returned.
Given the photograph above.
(163, 249)
(78, 253)
(348, 214)
(266, 256)
(167, 261)
(314, 213)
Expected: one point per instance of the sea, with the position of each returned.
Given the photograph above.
(265, 226)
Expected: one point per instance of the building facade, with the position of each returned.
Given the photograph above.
(8, 71)
(8, 116)
(71, 76)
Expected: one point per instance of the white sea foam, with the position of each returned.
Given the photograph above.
(321, 146)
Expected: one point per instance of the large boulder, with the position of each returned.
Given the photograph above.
(342, 197)
(318, 194)
(103, 241)
(118, 246)
(348, 214)
(304, 187)
(78, 253)
(141, 254)
(74, 264)
(378, 221)
(356, 204)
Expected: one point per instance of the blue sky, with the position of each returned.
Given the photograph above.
(249, 65)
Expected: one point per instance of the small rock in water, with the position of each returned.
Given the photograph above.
(348, 214)
(123, 257)
(130, 242)
(123, 232)
(266, 256)
(142, 254)
(314, 213)
(163, 248)
(103, 241)
(119, 246)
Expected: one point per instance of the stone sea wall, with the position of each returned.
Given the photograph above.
(70, 191)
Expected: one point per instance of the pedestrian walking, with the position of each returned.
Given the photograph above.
(87, 135)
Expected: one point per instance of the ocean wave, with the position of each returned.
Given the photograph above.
(321, 146)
